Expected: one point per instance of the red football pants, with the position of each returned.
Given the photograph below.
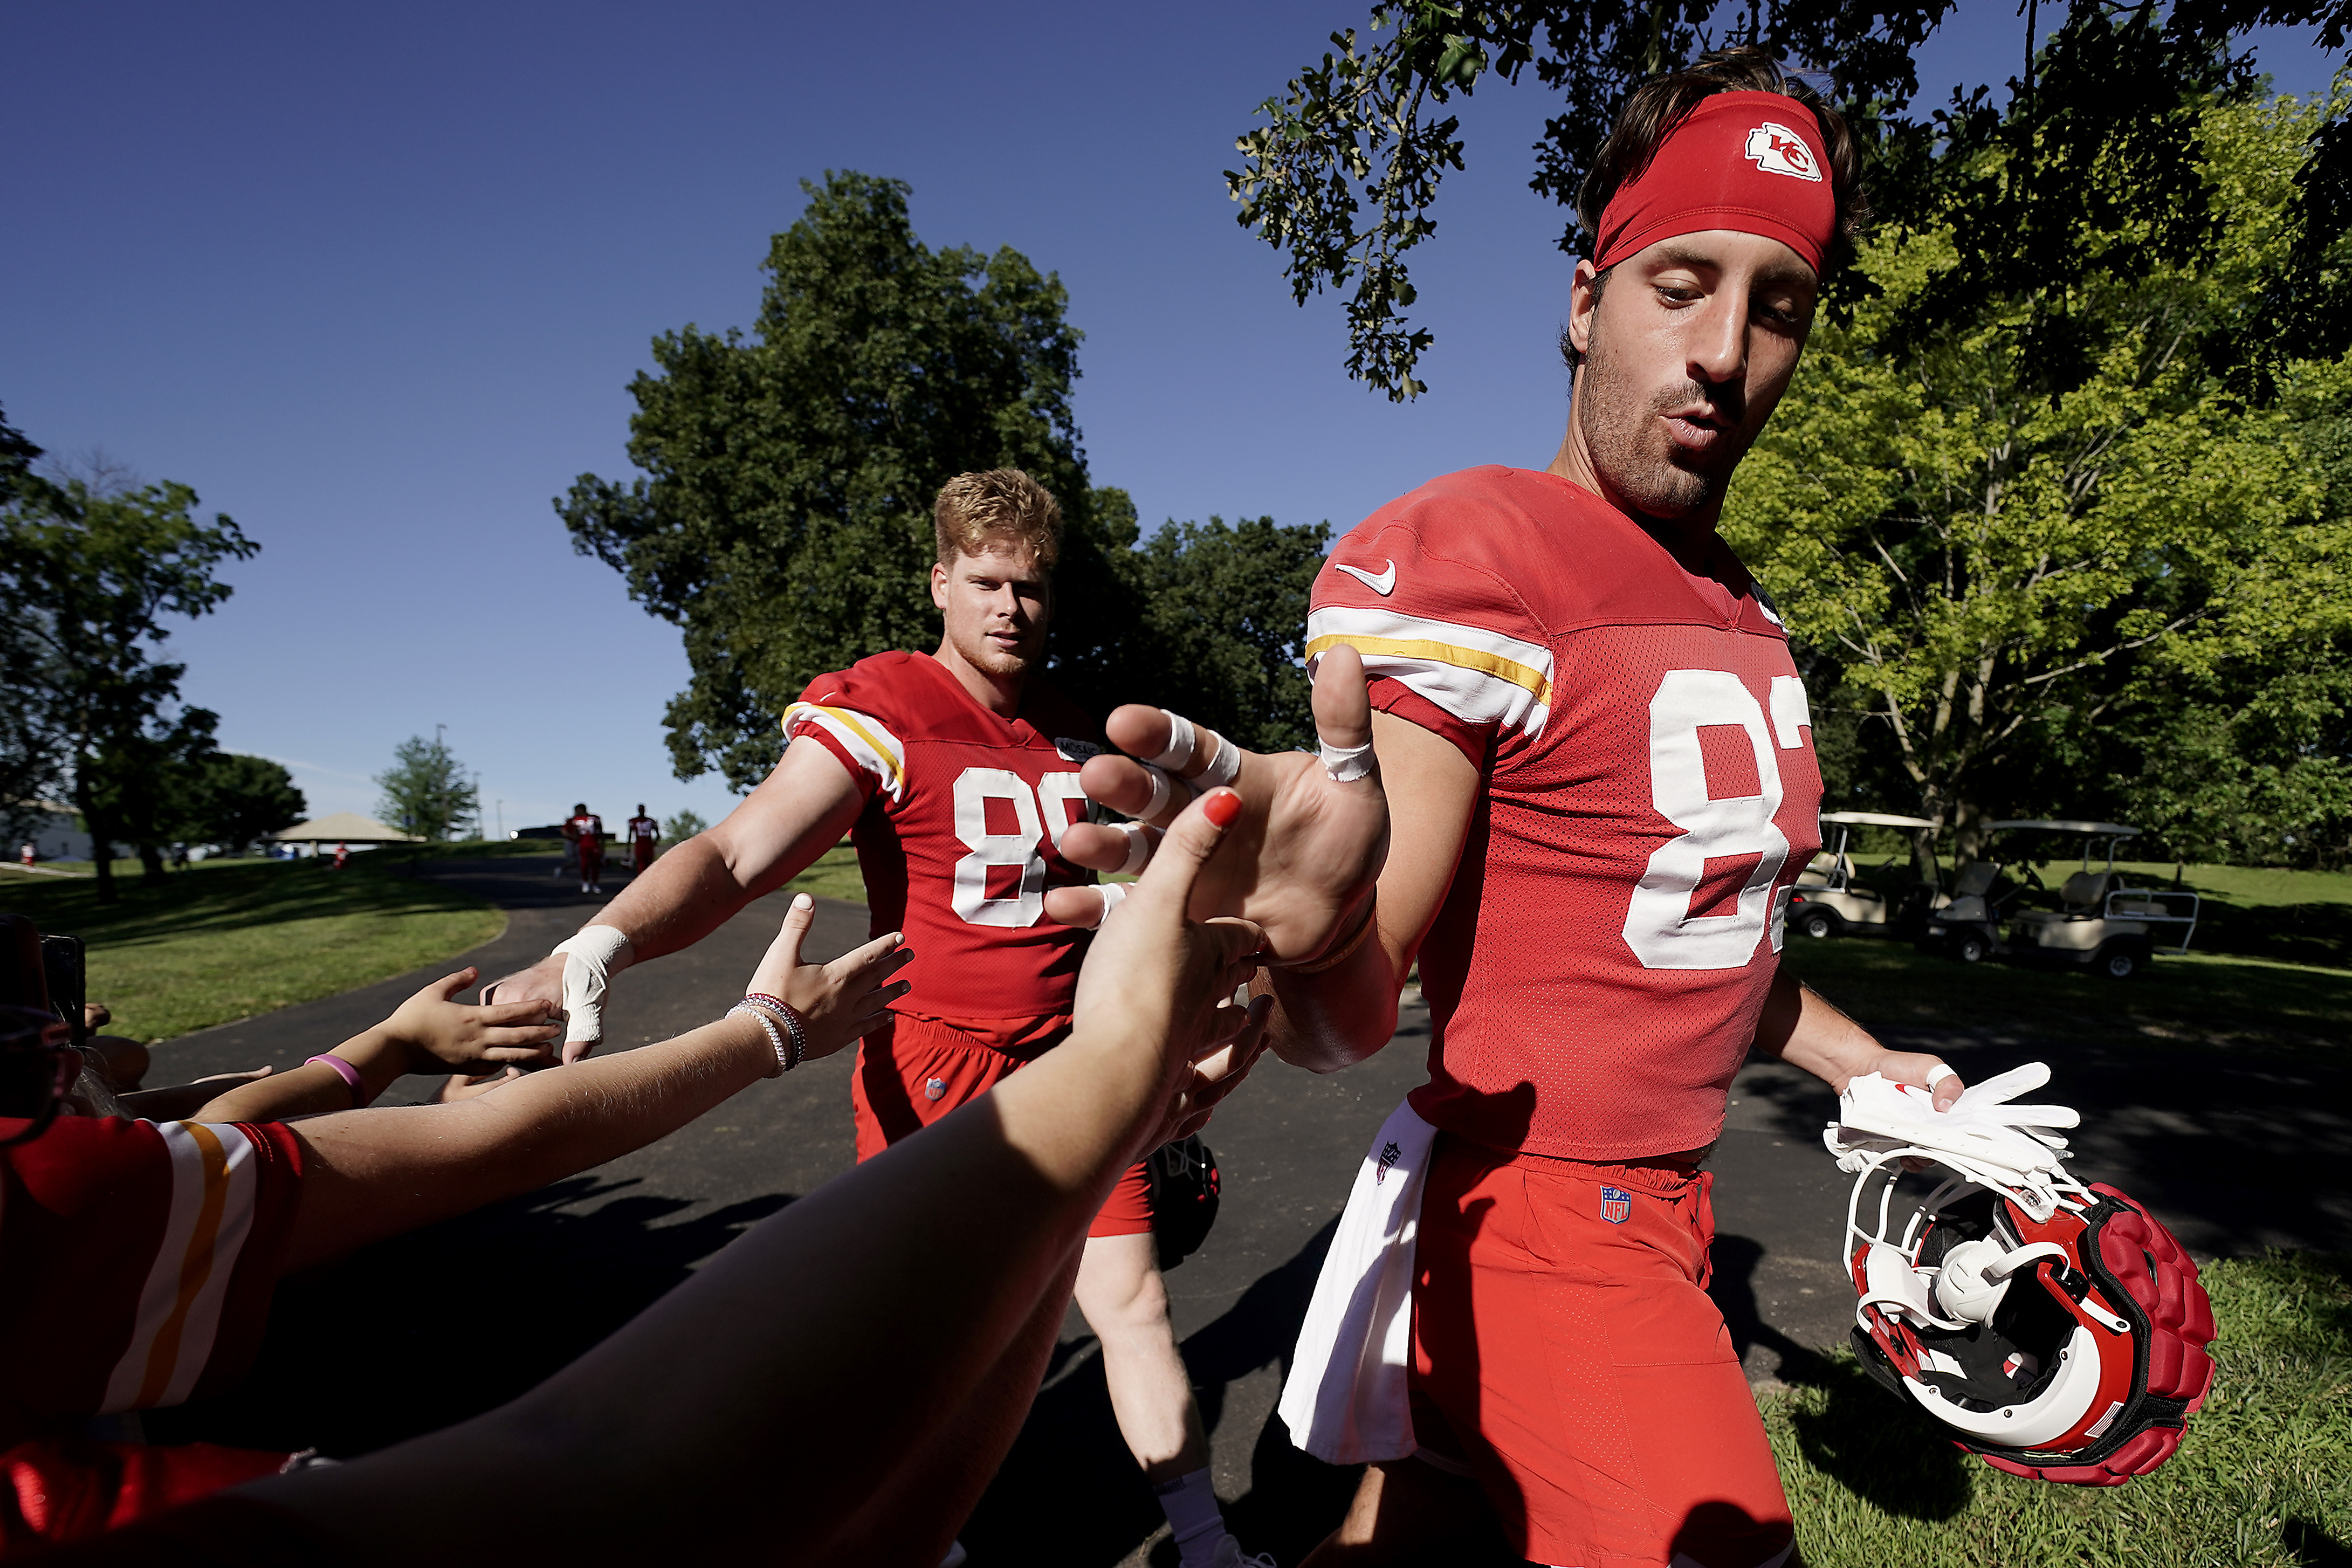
(917, 1071)
(1565, 1350)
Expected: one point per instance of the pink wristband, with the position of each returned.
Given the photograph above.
(350, 1074)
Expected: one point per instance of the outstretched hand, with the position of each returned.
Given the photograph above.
(1307, 844)
(433, 1024)
(1163, 982)
(840, 1001)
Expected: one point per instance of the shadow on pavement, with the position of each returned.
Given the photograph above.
(432, 1327)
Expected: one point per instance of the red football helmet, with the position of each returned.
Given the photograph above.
(2056, 1330)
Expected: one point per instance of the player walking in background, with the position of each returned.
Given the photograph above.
(1599, 769)
(643, 831)
(586, 831)
(956, 775)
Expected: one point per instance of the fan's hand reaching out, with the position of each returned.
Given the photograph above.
(1314, 829)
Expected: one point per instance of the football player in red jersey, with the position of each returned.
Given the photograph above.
(956, 775)
(643, 831)
(586, 831)
(1599, 761)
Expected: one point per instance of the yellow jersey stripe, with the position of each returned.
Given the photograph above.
(1478, 659)
(195, 1267)
(850, 721)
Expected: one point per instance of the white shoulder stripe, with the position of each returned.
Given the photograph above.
(863, 736)
(1477, 676)
(214, 1182)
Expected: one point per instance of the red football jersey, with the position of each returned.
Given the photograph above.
(1651, 793)
(958, 840)
(643, 827)
(140, 1258)
(586, 828)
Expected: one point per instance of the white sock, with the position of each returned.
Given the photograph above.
(1190, 1504)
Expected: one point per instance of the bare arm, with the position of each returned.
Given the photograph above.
(801, 810)
(752, 1414)
(1336, 1017)
(428, 1033)
(369, 1175)
(1801, 1027)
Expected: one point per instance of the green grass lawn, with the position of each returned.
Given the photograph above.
(2270, 968)
(834, 876)
(2263, 1477)
(227, 939)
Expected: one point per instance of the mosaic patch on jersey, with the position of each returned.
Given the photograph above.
(1076, 751)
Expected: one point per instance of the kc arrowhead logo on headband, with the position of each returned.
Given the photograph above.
(1710, 172)
(1776, 150)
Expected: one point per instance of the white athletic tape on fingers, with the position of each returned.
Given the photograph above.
(592, 956)
(1345, 764)
(1183, 742)
(1113, 895)
(1938, 1074)
(1223, 768)
(1139, 848)
(1163, 790)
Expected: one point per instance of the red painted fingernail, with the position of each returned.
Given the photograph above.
(1222, 807)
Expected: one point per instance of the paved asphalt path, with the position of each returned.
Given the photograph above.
(2236, 1153)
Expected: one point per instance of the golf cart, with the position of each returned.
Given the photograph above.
(2101, 921)
(1828, 901)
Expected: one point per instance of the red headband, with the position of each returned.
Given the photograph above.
(1744, 161)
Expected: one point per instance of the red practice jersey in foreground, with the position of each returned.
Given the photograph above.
(963, 812)
(140, 1257)
(1650, 794)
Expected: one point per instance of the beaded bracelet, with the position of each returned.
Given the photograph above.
(785, 1013)
(767, 1027)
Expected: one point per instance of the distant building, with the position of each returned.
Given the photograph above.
(58, 835)
(341, 827)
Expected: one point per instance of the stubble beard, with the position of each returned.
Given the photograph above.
(1633, 456)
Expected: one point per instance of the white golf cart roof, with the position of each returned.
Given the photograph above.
(2096, 829)
(1880, 819)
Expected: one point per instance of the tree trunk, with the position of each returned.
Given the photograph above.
(102, 836)
(150, 864)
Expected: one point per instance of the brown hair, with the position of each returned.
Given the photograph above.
(1003, 503)
(1652, 112)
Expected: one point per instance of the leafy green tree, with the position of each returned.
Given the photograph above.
(148, 783)
(683, 826)
(30, 753)
(2044, 554)
(1224, 628)
(87, 575)
(784, 521)
(427, 792)
(1344, 172)
(236, 800)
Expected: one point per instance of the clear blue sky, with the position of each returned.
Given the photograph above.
(373, 280)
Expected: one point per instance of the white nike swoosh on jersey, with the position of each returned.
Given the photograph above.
(1383, 584)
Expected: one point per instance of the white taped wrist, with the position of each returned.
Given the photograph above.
(1183, 742)
(592, 956)
(1346, 763)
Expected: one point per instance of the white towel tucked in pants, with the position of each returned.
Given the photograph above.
(1346, 1400)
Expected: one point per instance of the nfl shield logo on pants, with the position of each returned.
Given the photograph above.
(1616, 1204)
